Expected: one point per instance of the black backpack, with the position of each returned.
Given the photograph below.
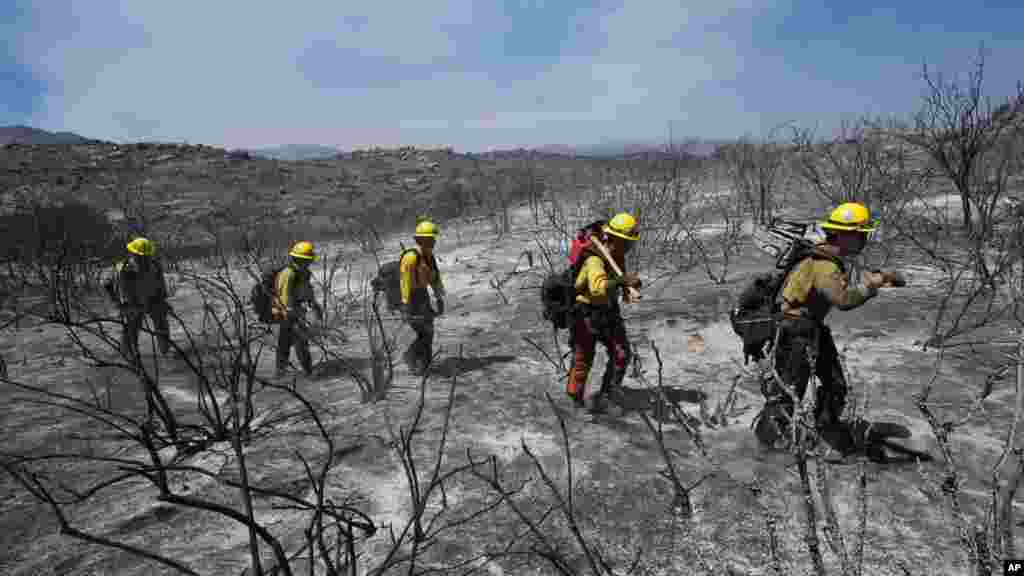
(262, 294)
(558, 296)
(558, 291)
(389, 280)
(756, 314)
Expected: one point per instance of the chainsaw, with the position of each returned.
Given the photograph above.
(788, 236)
(784, 236)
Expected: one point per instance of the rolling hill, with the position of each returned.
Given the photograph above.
(35, 136)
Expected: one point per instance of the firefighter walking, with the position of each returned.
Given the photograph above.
(598, 316)
(139, 288)
(811, 290)
(418, 271)
(293, 293)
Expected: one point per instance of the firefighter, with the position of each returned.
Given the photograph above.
(293, 292)
(418, 270)
(811, 290)
(598, 316)
(138, 287)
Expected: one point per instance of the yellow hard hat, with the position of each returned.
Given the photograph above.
(142, 247)
(303, 250)
(426, 229)
(850, 216)
(624, 226)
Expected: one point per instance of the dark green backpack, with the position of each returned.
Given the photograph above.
(389, 280)
(262, 295)
(755, 316)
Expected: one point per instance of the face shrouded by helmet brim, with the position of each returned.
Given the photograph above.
(850, 217)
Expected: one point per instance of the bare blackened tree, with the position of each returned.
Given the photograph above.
(754, 166)
(958, 126)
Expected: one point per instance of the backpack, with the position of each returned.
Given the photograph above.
(124, 270)
(111, 284)
(558, 291)
(262, 294)
(389, 280)
(755, 316)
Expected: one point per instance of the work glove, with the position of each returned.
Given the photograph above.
(891, 279)
(440, 306)
(872, 280)
(406, 314)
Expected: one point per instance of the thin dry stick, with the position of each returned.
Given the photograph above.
(593, 556)
(680, 416)
(998, 521)
(951, 482)
(811, 522)
(1006, 517)
(36, 488)
(862, 498)
(771, 526)
(773, 543)
(833, 532)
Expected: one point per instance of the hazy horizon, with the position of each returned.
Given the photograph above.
(477, 76)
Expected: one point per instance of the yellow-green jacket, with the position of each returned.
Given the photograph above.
(592, 283)
(818, 284)
(130, 285)
(291, 288)
(416, 273)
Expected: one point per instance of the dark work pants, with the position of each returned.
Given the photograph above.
(292, 333)
(421, 319)
(796, 338)
(608, 328)
(133, 321)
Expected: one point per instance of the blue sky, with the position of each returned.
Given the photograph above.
(480, 75)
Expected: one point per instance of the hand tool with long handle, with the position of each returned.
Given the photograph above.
(633, 293)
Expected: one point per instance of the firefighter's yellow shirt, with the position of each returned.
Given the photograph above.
(416, 273)
(137, 286)
(592, 283)
(818, 284)
(291, 287)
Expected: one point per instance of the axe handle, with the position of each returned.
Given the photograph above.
(633, 293)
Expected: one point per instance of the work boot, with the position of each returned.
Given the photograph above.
(577, 399)
(599, 404)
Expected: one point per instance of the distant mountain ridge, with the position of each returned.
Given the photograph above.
(27, 135)
(294, 152)
(615, 149)
(35, 136)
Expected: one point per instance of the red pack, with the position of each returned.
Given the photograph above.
(582, 242)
